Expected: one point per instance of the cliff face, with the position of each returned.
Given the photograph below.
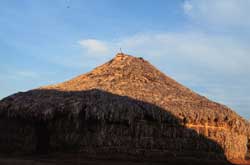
(124, 106)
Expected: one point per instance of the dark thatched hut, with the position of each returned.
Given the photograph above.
(123, 108)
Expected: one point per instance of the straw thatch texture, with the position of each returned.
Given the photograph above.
(248, 147)
(123, 106)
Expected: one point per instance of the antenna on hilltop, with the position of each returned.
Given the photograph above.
(121, 51)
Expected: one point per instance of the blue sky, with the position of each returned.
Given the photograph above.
(203, 44)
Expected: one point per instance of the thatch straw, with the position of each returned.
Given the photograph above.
(129, 78)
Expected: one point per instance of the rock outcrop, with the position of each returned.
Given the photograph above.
(124, 107)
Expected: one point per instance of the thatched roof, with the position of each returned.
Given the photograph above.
(127, 76)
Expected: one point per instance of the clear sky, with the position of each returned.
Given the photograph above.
(203, 44)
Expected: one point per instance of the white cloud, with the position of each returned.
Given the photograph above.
(94, 47)
(216, 53)
(29, 74)
(227, 13)
(23, 74)
(187, 7)
(212, 52)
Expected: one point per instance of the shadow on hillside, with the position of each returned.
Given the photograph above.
(248, 149)
(99, 125)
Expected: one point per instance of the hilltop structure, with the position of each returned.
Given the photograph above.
(125, 107)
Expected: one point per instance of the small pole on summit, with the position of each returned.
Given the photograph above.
(121, 51)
